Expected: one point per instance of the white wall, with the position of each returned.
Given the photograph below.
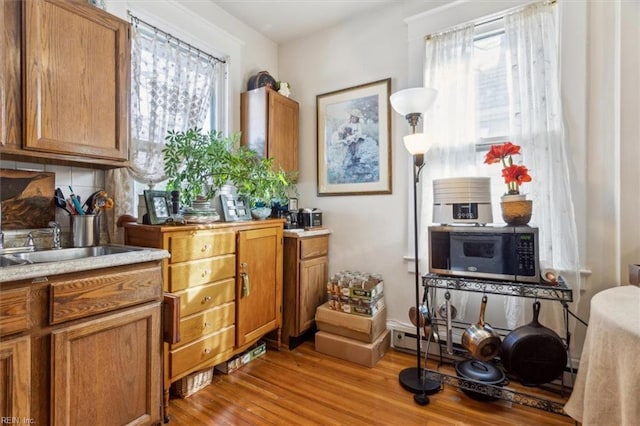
(599, 47)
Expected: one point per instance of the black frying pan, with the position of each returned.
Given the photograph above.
(533, 353)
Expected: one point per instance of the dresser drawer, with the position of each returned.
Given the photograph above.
(198, 299)
(314, 247)
(200, 244)
(97, 292)
(197, 352)
(14, 311)
(199, 325)
(198, 272)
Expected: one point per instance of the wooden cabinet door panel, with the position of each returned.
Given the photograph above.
(108, 370)
(283, 132)
(76, 80)
(313, 289)
(14, 311)
(259, 310)
(15, 378)
(10, 86)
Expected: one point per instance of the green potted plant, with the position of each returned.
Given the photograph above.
(198, 163)
(262, 184)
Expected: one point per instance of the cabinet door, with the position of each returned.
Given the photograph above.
(259, 302)
(313, 289)
(108, 370)
(76, 80)
(10, 97)
(283, 132)
(15, 378)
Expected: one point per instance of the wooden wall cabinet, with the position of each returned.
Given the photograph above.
(69, 101)
(269, 124)
(306, 270)
(90, 351)
(228, 277)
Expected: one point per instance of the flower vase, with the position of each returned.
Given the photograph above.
(516, 209)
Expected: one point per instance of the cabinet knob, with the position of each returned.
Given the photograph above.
(204, 273)
(206, 299)
(207, 350)
(204, 248)
(205, 325)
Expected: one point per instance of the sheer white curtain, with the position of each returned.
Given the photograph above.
(171, 89)
(451, 125)
(537, 125)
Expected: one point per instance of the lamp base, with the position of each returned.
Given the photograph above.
(411, 380)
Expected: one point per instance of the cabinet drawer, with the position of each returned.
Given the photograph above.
(14, 311)
(202, 350)
(200, 244)
(199, 325)
(313, 247)
(198, 299)
(95, 293)
(198, 272)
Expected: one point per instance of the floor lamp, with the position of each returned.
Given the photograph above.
(412, 103)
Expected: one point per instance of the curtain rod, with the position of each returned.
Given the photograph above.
(491, 18)
(135, 21)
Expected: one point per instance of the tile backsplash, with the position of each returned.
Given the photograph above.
(84, 181)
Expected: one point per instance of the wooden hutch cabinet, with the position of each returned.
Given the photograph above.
(228, 280)
(306, 270)
(269, 124)
(64, 86)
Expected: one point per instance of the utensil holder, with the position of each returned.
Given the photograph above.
(85, 230)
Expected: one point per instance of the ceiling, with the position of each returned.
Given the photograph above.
(285, 20)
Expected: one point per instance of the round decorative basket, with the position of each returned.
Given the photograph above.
(516, 213)
(261, 213)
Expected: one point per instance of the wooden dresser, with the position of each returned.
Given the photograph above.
(226, 282)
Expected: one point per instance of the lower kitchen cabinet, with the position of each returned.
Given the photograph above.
(15, 378)
(83, 347)
(226, 279)
(306, 269)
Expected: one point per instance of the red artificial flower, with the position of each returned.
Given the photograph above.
(514, 175)
(517, 174)
(498, 153)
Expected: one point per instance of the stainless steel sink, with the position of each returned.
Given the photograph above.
(62, 254)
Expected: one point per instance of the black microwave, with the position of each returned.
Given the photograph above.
(502, 253)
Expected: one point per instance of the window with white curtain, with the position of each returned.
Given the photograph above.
(498, 81)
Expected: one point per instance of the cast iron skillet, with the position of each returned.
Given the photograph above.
(533, 353)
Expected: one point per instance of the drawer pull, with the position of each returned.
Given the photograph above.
(206, 299)
(204, 248)
(207, 350)
(204, 273)
(206, 324)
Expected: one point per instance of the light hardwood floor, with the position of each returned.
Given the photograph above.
(304, 387)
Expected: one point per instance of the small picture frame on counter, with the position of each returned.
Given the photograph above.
(293, 204)
(158, 206)
(234, 208)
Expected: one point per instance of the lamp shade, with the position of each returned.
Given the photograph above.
(414, 100)
(417, 143)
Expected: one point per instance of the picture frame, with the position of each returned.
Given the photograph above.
(293, 204)
(158, 206)
(235, 208)
(354, 140)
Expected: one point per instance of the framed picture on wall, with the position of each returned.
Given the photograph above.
(354, 140)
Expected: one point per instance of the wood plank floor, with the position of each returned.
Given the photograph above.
(304, 387)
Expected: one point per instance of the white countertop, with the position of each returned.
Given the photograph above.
(311, 232)
(38, 270)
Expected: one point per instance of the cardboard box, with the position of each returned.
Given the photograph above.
(365, 329)
(367, 354)
(367, 293)
(363, 307)
(243, 359)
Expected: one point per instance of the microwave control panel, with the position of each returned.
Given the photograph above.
(526, 251)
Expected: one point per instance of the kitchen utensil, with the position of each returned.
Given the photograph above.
(482, 342)
(60, 201)
(480, 372)
(447, 297)
(534, 353)
(75, 202)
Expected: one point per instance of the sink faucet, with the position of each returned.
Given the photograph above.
(55, 243)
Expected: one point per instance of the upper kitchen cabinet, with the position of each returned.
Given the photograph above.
(75, 83)
(269, 123)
